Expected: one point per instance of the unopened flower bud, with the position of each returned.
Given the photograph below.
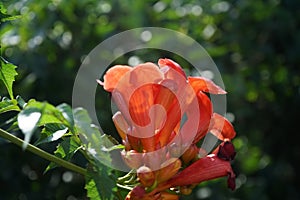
(168, 170)
(169, 196)
(132, 158)
(146, 176)
(137, 193)
(185, 190)
(190, 154)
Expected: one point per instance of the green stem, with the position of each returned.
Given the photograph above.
(41, 153)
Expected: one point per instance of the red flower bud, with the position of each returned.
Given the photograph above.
(136, 193)
(226, 151)
(139, 193)
(146, 176)
(190, 154)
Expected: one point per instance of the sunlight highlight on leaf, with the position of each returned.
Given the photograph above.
(27, 121)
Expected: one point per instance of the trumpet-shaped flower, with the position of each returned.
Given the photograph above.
(162, 115)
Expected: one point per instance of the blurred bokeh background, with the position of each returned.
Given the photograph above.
(255, 44)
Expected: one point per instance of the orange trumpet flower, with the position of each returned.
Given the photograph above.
(162, 116)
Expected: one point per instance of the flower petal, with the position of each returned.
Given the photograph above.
(171, 121)
(140, 103)
(113, 75)
(135, 142)
(149, 143)
(207, 168)
(145, 73)
(134, 96)
(231, 182)
(205, 109)
(163, 62)
(221, 127)
(138, 80)
(205, 85)
(226, 151)
(121, 124)
(155, 159)
(181, 97)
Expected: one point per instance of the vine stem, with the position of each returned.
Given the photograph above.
(41, 153)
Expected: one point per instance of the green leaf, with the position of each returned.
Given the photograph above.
(27, 121)
(92, 188)
(50, 114)
(51, 132)
(99, 184)
(97, 145)
(65, 150)
(21, 101)
(7, 75)
(5, 17)
(67, 113)
(37, 114)
(8, 105)
(11, 123)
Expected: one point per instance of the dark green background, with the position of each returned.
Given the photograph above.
(255, 44)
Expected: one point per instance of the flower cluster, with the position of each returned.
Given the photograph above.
(163, 114)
